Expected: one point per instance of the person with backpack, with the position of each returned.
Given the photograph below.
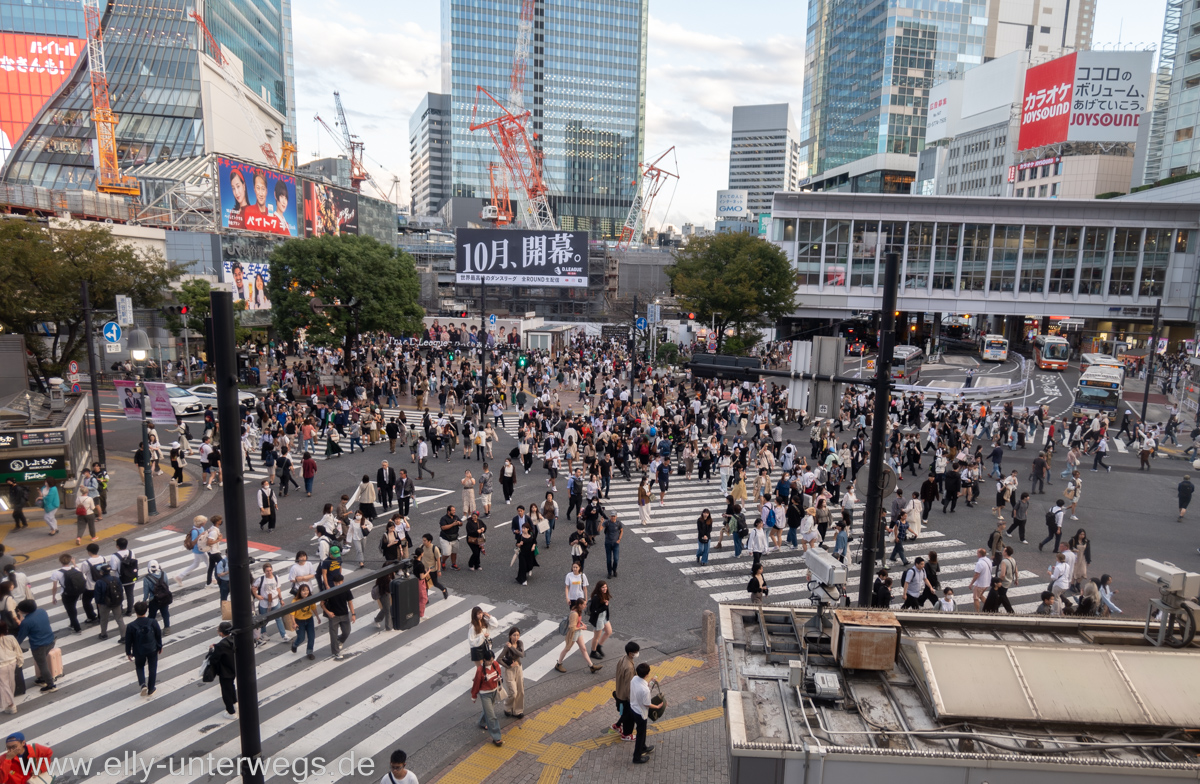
(156, 594)
(143, 644)
(125, 566)
(71, 583)
(224, 665)
(191, 543)
(266, 590)
(109, 598)
(1054, 519)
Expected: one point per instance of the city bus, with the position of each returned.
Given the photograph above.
(1104, 360)
(906, 364)
(1099, 391)
(1051, 352)
(993, 348)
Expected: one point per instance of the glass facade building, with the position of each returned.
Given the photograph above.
(868, 70)
(585, 89)
(153, 68)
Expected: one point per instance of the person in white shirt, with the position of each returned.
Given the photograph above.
(303, 572)
(399, 772)
(947, 603)
(266, 591)
(983, 578)
(639, 701)
(1060, 580)
(756, 541)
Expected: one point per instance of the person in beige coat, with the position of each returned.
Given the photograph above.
(11, 658)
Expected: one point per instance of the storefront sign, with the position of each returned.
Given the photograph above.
(48, 438)
(32, 469)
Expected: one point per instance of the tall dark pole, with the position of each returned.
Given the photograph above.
(633, 368)
(91, 349)
(1150, 359)
(883, 379)
(225, 367)
(483, 325)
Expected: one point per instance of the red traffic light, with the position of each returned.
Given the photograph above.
(464, 314)
(183, 309)
(691, 317)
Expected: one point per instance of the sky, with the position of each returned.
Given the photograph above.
(704, 58)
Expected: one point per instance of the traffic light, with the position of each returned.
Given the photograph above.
(174, 310)
(463, 314)
(522, 361)
(450, 355)
(691, 316)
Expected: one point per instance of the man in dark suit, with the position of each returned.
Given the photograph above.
(405, 489)
(518, 522)
(385, 480)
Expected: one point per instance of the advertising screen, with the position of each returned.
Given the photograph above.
(256, 199)
(245, 263)
(508, 257)
(329, 211)
(31, 69)
(1090, 96)
(732, 203)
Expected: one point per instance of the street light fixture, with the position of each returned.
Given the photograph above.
(139, 345)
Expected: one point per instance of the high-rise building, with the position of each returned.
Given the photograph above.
(1180, 145)
(868, 73)
(429, 149)
(764, 153)
(160, 87)
(585, 87)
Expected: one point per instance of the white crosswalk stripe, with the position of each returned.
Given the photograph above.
(394, 680)
(1120, 445)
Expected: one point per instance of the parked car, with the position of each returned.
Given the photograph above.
(183, 401)
(208, 395)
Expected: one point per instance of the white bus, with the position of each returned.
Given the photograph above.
(1099, 391)
(993, 348)
(1103, 360)
(906, 364)
(1051, 352)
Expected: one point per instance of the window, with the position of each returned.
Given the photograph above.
(862, 263)
(976, 238)
(1020, 191)
(1066, 254)
(1045, 30)
(1058, 168)
(920, 247)
(1021, 174)
(1181, 241)
(1095, 256)
(1042, 192)
(1154, 262)
(945, 256)
(1036, 244)
(1054, 190)
(808, 252)
(1183, 134)
(1006, 242)
(1194, 55)
(1031, 192)
(1178, 170)
(1124, 263)
(1046, 170)
(1033, 173)
(1190, 83)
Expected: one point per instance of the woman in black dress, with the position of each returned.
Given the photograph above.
(526, 558)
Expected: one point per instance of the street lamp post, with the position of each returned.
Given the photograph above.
(139, 348)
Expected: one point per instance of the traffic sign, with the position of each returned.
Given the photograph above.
(73, 367)
(124, 311)
(641, 323)
(492, 319)
(112, 348)
(653, 313)
(870, 364)
(112, 332)
(75, 388)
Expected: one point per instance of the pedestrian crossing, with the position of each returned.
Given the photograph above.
(672, 533)
(390, 683)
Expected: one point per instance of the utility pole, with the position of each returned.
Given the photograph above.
(883, 382)
(483, 325)
(224, 356)
(633, 368)
(1150, 359)
(93, 371)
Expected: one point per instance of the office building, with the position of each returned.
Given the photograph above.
(764, 154)
(585, 87)
(429, 150)
(1181, 144)
(172, 102)
(868, 75)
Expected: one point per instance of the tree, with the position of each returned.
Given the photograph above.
(196, 294)
(734, 280)
(378, 285)
(41, 272)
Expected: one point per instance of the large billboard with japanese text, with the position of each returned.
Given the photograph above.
(256, 199)
(1090, 96)
(329, 211)
(508, 257)
(246, 266)
(31, 68)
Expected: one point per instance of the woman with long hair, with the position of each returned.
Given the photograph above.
(599, 618)
(574, 636)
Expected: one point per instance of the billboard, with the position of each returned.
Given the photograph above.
(161, 410)
(31, 68)
(256, 199)
(131, 401)
(245, 264)
(732, 204)
(945, 104)
(329, 211)
(508, 257)
(1090, 96)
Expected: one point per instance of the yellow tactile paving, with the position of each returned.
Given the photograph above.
(557, 758)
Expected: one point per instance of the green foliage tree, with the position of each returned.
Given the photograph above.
(734, 280)
(668, 353)
(379, 280)
(195, 294)
(41, 272)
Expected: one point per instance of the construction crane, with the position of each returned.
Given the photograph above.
(354, 148)
(287, 157)
(242, 101)
(653, 177)
(363, 174)
(521, 157)
(500, 208)
(110, 179)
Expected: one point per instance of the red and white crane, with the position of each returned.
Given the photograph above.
(653, 177)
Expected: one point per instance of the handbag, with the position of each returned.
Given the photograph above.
(658, 703)
(19, 683)
(477, 651)
(265, 511)
(502, 694)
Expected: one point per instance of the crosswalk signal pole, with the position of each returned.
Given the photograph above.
(1150, 358)
(872, 540)
(224, 357)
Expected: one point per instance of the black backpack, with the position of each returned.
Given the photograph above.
(128, 569)
(114, 595)
(74, 584)
(160, 590)
(1051, 519)
(95, 569)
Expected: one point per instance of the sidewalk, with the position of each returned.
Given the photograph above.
(569, 740)
(124, 486)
